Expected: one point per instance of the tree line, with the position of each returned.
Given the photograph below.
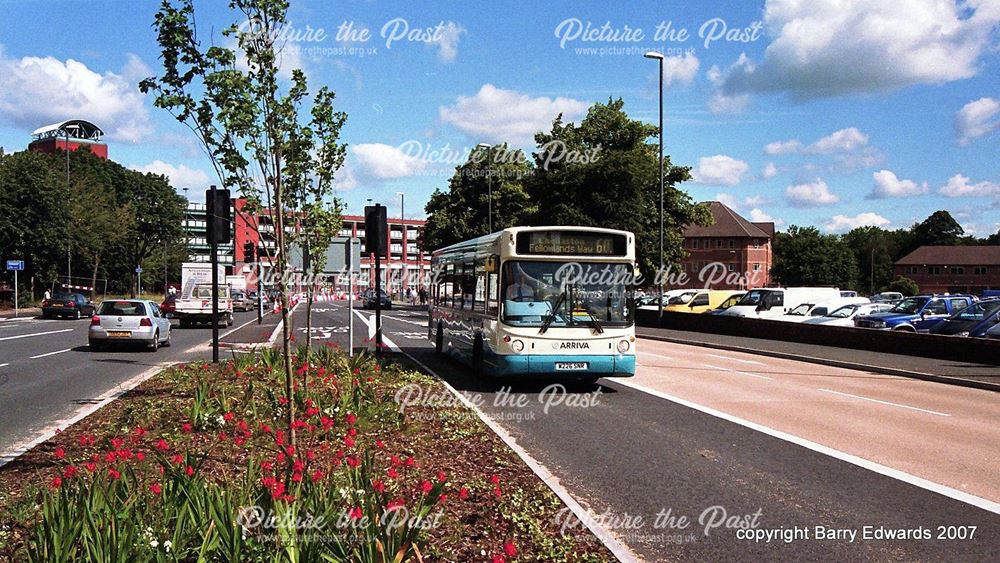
(863, 258)
(100, 223)
(600, 173)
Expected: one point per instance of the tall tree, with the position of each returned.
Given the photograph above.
(940, 229)
(245, 116)
(603, 172)
(805, 257)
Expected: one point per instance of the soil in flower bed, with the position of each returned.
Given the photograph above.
(224, 428)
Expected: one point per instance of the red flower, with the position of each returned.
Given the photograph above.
(326, 422)
(410, 462)
(310, 455)
(356, 513)
(494, 479)
(392, 473)
(56, 482)
(69, 472)
(498, 559)
(162, 445)
(86, 440)
(222, 436)
(117, 443)
(178, 459)
(394, 460)
(189, 471)
(380, 444)
(353, 461)
(497, 492)
(155, 488)
(463, 493)
(426, 487)
(509, 549)
(139, 432)
(114, 474)
(348, 441)
(139, 456)
(378, 485)
(297, 477)
(187, 428)
(110, 457)
(239, 440)
(351, 418)
(394, 504)
(265, 428)
(228, 417)
(317, 476)
(91, 466)
(442, 476)
(352, 431)
(298, 465)
(60, 453)
(442, 498)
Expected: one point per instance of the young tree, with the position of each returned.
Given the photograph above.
(804, 256)
(245, 118)
(903, 285)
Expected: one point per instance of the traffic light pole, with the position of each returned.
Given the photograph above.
(214, 251)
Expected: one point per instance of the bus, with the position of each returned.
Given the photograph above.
(525, 301)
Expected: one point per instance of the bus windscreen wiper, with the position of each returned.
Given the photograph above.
(552, 314)
(594, 322)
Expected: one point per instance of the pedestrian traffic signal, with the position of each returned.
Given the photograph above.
(219, 218)
(376, 230)
(248, 252)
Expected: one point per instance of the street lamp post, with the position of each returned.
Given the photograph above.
(402, 255)
(489, 185)
(659, 57)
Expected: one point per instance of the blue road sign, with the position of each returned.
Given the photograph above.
(15, 265)
(138, 269)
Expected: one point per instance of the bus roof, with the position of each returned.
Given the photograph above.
(471, 244)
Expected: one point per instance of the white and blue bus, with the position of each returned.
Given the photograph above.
(537, 301)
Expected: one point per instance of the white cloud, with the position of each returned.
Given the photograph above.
(834, 47)
(812, 194)
(842, 141)
(180, 176)
(498, 115)
(446, 41)
(721, 103)
(770, 171)
(719, 170)
(960, 186)
(888, 185)
(385, 162)
(782, 147)
(682, 68)
(759, 216)
(738, 204)
(36, 91)
(844, 223)
(976, 119)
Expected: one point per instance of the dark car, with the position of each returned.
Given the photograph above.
(974, 320)
(72, 305)
(916, 314)
(169, 305)
(369, 300)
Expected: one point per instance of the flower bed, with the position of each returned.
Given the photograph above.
(198, 464)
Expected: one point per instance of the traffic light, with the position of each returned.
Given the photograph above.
(376, 230)
(248, 251)
(219, 216)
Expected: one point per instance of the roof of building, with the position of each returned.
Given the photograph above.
(728, 223)
(76, 128)
(952, 256)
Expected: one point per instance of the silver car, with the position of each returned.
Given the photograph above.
(129, 321)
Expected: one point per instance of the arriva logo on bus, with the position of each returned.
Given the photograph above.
(571, 345)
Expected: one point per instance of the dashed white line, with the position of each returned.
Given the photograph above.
(885, 402)
(50, 354)
(643, 353)
(2, 365)
(740, 360)
(757, 375)
(36, 334)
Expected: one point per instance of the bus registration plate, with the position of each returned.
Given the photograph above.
(571, 366)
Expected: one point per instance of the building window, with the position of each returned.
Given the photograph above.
(694, 243)
(934, 270)
(756, 243)
(980, 270)
(756, 267)
(958, 270)
(910, 270)
(732, 267)
(718, 243)
(732, 243)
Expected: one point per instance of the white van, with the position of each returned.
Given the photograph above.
(770, 302)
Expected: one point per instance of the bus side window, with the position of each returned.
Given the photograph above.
(493, 292)
(480, 289)
(449, 277)
(468, 286)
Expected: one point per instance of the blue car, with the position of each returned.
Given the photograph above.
(972, 321)
(916, 314)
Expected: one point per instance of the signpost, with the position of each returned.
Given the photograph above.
(138, 271)
(16, 266)
(219, 232)
(377, 243)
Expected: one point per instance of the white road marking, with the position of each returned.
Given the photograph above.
(36, 334)
(49, 354)
(3, 365)
(757, 375)
(742, 361)
(956, 494)
(885, 402)
(643, 353)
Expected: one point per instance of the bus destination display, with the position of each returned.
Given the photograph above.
(571, 243)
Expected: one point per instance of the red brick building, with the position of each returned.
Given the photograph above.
(952, 269)
(731, 253)
(73, 133)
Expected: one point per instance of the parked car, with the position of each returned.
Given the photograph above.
(169, 306)
(253, 296)
(241, 302)
(729, 302)
(847, 293)
(702, 301)
(916, 314)
(844, 316)
(994, 332)
(72, 305)
(807, 311)
(121, 321)
(369, 300)
(887, 296)
(771, 302)
(680, 295)
(974, 320)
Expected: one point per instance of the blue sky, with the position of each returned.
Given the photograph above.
(813, 113)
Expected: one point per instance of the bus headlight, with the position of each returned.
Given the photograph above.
(623, 346)
(517, 345)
